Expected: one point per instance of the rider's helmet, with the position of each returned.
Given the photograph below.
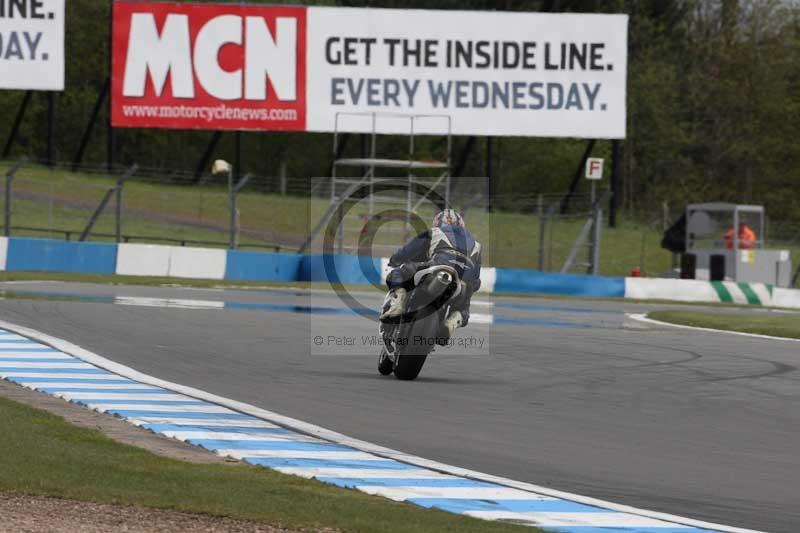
(448, 217)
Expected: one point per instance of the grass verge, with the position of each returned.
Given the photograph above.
(774, 324)
(44, 455)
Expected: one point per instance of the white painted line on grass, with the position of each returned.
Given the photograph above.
(647, 320)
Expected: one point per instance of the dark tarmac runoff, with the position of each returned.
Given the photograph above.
(569, 394)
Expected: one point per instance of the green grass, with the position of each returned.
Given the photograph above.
(775, 324)
(63, 200)
(44, 455)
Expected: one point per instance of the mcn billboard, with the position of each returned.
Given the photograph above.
(245, 67)
(208, 66)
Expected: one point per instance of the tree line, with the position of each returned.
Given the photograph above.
(713, 110)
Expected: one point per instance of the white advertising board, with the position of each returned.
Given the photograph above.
(260, 67)
(488, 72)
(32, 45)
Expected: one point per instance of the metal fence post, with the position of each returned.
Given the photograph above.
(232, 207)
(51, 126)
(87, 132)
(88, 229)
(613, 202)
(9, 178)
(489, 174)
(7, 218)
(598, 221)
(234, 191)
(542, 230)
(118, 212)
(17, 122)
(50, 222)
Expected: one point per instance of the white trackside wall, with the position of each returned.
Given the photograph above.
(143, 259)
(200, 263)
(685, 290)
(786, 298)
(171, 261)
(3, 252)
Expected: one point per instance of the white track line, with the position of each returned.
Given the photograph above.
(593, 520)
(238, 437)
(644, 318)
(68, 366)
(101, 388)
(210, 409)
(121, 396)
(311, 472)
(239, 453)
(205, 422)
(326, 434)
(60, 375)
(401, 494)
(5, 356)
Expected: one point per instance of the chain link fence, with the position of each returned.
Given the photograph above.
(60, 205)
(533, 231)
(540, 232)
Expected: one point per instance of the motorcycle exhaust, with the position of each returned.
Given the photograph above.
(438, 284)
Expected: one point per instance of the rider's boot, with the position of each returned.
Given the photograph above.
(394, 304)
(453, 322)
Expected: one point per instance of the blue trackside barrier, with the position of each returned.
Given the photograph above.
(349, 269)
(262, 266)
(45, 255)
(531, 281)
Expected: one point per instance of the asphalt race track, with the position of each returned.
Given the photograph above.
(567, 394)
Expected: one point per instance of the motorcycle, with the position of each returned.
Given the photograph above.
(408, 340)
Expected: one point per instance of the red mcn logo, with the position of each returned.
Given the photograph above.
(208, 66)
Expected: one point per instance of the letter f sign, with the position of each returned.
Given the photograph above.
(594, 168)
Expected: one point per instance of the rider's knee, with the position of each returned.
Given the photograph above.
(401, 277)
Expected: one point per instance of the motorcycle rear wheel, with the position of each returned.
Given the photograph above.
(410, 355)
(409, 366)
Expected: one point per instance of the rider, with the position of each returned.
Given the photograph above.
(448, 242)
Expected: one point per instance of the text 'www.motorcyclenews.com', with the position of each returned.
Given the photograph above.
(209, 113)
